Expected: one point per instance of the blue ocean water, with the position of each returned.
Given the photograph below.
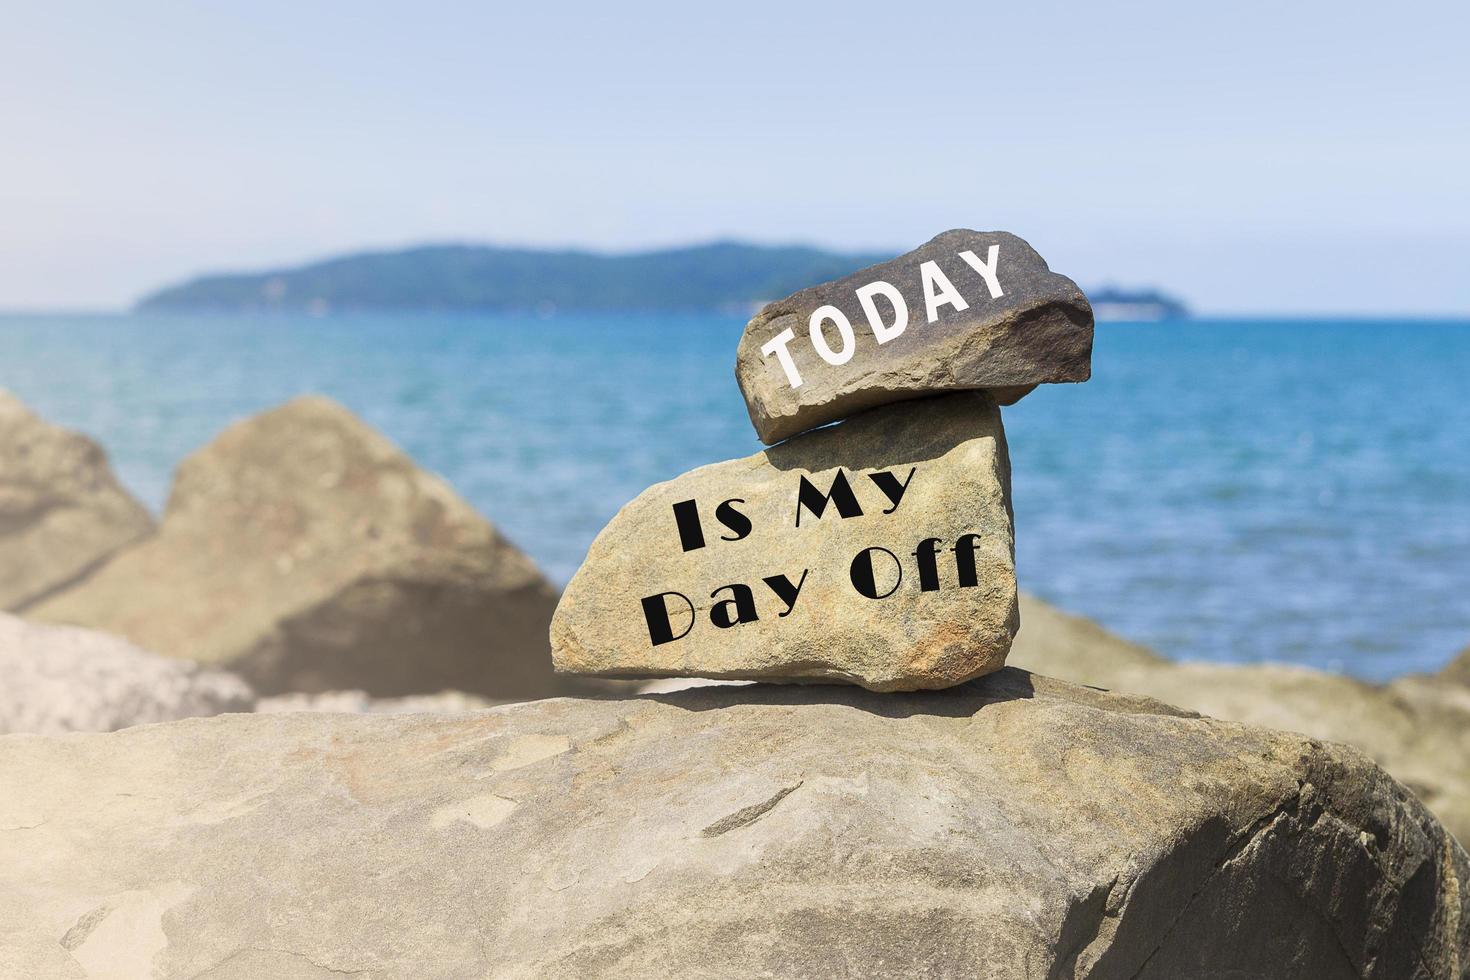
(1228, 491)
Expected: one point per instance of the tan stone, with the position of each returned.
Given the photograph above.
(62, 511)
(951, 454)
(1038, 329)
(1417, 728)
(303, 550)
(1013, 828)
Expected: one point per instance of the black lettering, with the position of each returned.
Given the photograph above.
(743, 605)
(862, 576)
(785, 591)
(727, 515)
(890, 486)
(814, 500)
(928, 564)
(656, 614)
(691, 534)
(964, 559)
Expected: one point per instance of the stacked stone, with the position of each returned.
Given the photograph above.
(878, 551)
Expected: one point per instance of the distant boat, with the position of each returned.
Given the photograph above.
(1111, 303)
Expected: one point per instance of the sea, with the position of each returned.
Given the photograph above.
(1229, 491)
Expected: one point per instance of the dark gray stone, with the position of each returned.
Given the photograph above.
(1037, 329)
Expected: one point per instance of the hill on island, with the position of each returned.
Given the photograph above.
(718, 276)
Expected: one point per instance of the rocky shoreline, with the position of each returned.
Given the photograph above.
(308, 725)
(1109, 812)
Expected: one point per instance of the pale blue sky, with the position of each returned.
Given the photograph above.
(1254, 157)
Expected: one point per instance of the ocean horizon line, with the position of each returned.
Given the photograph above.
(1199, 318)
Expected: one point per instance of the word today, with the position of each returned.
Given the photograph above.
(938, 292)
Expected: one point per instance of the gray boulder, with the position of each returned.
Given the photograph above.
(57, 679)
(877, 552)
(966, 310)
(1417, 728)
(304, 551)
(1013, 827)
(62, 511)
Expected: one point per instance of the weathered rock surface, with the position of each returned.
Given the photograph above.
(1417, 728)
(1037, 329)
(62, 511)
(1013, 827)
(57, 679)
(303, 550)
(943, 461)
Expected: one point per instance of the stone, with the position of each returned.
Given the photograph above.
(62, 511)
(1458, 670)
(360, 702)
(304, 551)
(1013, 827)
(56, 679)
(878, 552)
(967, 310)
(1417, 728)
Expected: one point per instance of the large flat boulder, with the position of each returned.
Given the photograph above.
(1417, 728)
(1013, 827)
(306, 552)
(966, 310)
(57, 679)
(877, 552)
(62, 511)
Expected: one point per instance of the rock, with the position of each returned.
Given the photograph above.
(304, 551)
(662, 594)
(1458, 670)
(360, 702)
(1036, 328)
(57, 679)
(1075, 648)
(1013, 827)
(1416, 728)
(62, 511)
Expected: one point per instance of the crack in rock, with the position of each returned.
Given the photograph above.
(746, 816)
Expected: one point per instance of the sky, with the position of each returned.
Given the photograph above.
(1254, 158)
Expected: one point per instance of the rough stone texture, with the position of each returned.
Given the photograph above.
(1039, 330)
(909, 640)
(1010, 828)
(1417, 728)
(62, 512)
(57, 679)
(303, 550)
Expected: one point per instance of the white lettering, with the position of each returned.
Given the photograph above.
(986, 269)
(777, 345)
(875, 320)
(819, 339)
(939, 291)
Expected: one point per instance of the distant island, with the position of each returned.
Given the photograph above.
(1112, 303)
(725, 276)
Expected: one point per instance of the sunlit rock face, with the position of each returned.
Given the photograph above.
(878, 552)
